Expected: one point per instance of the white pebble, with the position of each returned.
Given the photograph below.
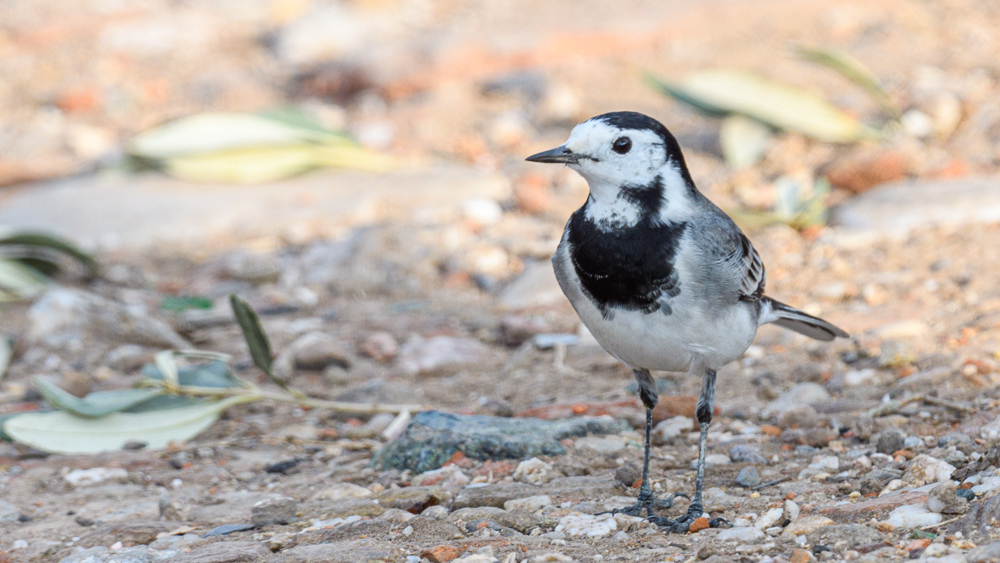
(913, 516)
(587, 525)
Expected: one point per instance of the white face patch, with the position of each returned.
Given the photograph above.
(607, 172)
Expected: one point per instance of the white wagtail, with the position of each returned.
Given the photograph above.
(661, 276)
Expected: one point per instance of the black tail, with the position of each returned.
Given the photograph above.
(791, 318)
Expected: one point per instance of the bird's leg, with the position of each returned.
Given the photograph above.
(703, 411)
(649, 396)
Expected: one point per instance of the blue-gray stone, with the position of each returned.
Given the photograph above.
(227, 529)
(433, 437)
(748, 477)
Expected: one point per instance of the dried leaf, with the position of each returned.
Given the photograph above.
(61, 432)
(94, 405)
(743, 141)
(18, 281)
(779, 105)
(851, 69)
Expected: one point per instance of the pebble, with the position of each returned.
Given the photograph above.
(339, 491)
(806, 525)
(943, 498)
(913, 516)
(806, 393)
(714, 459)
(439, 355)
(768, 519)
(925, 469)
(534, 471)
(380, 346)
(991, 430)
(449, 477)
(747, 534)
(828, 463)
(789, 511)
(9, 512)
(252, 267)
(743, 453)
(890, 440)
(531, 504)
(315, 351)
(669, 429)
(94, 475)
(587, 525)
(855, 378)
(748, 477)
(601, 445)
(274, 511)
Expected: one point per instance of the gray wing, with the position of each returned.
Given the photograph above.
(746, 260)
(733, 261)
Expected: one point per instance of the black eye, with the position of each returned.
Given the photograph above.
(622, 145)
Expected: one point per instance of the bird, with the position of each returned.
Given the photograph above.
(661, 276)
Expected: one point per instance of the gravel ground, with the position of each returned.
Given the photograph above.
(881, 448)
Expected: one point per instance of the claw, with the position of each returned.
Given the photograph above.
(719, 522)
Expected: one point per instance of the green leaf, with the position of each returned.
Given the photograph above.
(179, 303)
(94, 405)
(743, 141)
(61, 432)
(245, 165)
(18, 281)
(253, 333)
(214, 374)
(779, 105)
(851, 69)
(49, 242)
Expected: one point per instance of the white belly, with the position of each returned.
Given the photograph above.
(690, 335)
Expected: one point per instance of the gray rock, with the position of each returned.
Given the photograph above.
(962, 441)
(317, 350)
(748, 477)
(984, 553)
(978, 521)
(802, 394)
(433, 437)
(899, 207)
(274, 511)
(414, 499)
(944, 498)
(225, 552)
(350, 551)
(912, 442)
(889, 440)
(852, 534)
(252, 267)
(440, 355)
(493, 495)
(137, 554)
(64, 315)
(8, 512)
(743, 453)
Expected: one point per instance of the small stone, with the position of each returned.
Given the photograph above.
(926, 469)
(669, 429)
(943, 498)
(628, 474)
(449, 477)
(274, 511)
(587, 525)
(912, 442)
(441, 553)
(789, 512)
(9, 512)
(601, 445)
(440, 355)
(534, 471)
(380, 346)
(715, 460)
(828, 463)
(396, 516)
(414, 499)
(744, 534)
(806, 525)
(807, 393)
(315, 351)
(705, 552)
(339, 491)
(748, 477)
(94, 475)
(890, 440)
(699, 524)
(913, 516)
(768, 519)
(531, 504)
(252, 267)
(743, 453)
(800, 555)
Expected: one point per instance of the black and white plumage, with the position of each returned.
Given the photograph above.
(663, 279)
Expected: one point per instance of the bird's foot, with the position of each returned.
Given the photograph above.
(650, 504)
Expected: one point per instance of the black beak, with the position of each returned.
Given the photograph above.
(558, 155)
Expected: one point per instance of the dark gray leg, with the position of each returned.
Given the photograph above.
(703, 410)
(649, 397)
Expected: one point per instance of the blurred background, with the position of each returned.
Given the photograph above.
(355, 170)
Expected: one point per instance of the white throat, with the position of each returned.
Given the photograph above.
(608, 209)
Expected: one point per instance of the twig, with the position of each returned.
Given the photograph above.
(771, 483)
(893, 406)
(939, 524)
(947, 404)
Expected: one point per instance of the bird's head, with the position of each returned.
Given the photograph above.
(621, 150)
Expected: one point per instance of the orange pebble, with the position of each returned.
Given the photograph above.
(698, 525)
